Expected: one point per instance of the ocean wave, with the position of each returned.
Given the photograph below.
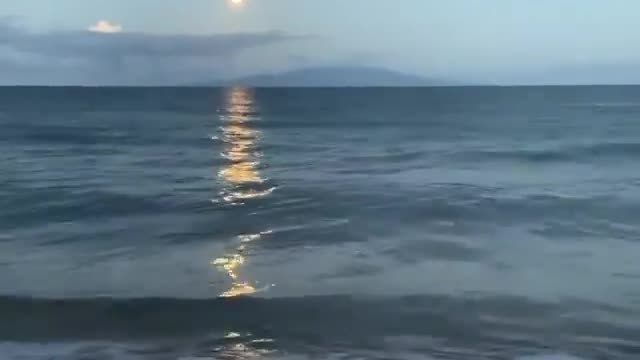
(549, 357)
(438, 327)
(29, 207)
(606, 104)
(561, 154)
(444, 203)
(80, 139)
(481, 318)
(229, 349)
(390, 158)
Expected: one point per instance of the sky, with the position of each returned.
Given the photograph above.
(155, 42)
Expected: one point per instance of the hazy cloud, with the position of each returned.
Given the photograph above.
(299, 60)
(108, 54)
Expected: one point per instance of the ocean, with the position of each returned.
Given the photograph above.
(373, 223)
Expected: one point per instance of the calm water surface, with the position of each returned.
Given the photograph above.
(450, 223)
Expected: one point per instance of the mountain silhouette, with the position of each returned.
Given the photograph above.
(333, 77)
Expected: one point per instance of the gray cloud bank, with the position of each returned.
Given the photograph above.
(125, 58)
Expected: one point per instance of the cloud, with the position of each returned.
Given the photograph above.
(105, 26)
(299, 60)
(108, 55)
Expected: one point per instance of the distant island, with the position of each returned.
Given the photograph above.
(332, 77)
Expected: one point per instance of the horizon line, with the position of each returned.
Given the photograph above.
(320, 87)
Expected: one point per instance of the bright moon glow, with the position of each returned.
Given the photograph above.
(237, 2)
(104, 26)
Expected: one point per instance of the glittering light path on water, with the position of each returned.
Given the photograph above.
(242, 179)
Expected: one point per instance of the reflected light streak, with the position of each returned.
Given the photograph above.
(231, 265)
(241, 173)
(241, 142)
(240, 346)
(242, 179)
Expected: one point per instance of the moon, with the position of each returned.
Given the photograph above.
(237, 2)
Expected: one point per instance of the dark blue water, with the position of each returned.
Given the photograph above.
(451, 223)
